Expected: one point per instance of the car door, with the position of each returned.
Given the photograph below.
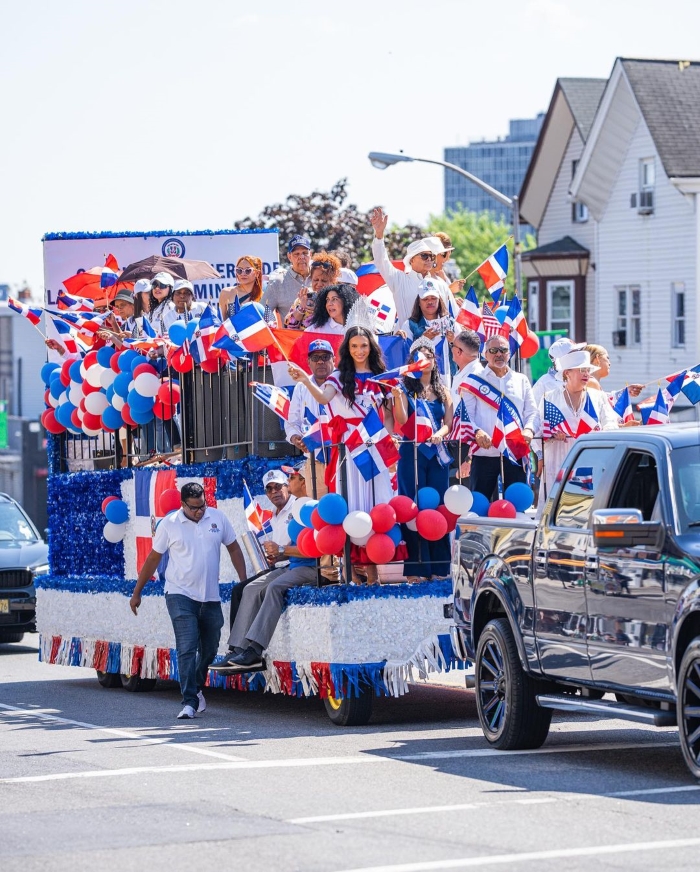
(562, 563)
(628, 616)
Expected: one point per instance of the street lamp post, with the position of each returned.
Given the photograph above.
(382, 160)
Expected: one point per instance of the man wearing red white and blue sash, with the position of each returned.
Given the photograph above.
(482, 394)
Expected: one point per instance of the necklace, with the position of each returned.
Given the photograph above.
(578, 407)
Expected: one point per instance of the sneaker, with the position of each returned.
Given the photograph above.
(202, 706)
(225, 664)
(187, 713)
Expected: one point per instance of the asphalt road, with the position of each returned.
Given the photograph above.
(104, 779)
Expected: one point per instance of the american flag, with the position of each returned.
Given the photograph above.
(462, 429)
(589, 418)
(554, 421)
(490, 325)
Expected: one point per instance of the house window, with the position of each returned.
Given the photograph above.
(678, 303)
(579, 211)
(646, 186)
(560, 306)
(629, 316)
(533, 305)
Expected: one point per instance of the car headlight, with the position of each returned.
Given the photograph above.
(42, 569)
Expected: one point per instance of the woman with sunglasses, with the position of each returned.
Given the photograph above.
(324, 271)
(423, 460)
(248, 287)
(331, 309)
(161, 310)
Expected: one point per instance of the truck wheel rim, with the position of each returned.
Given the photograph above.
(334, 702)
(691, 710)
(492, 686)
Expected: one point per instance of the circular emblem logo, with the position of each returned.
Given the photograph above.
(173, 248)
(483, 389)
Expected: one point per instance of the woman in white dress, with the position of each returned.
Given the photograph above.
(570, 411)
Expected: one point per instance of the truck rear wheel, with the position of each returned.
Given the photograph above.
(689, 707)
(352, 712)
(109, 679)
(7, 636)
(505, 694)
(136, 684)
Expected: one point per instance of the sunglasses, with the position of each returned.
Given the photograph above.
(319, 358)
(324, 264)
(498, 351)
(273, 487)
(244, 270)
(157, 286)
(426, 256)
(199, 508)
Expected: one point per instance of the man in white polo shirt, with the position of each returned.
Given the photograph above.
(192, 537)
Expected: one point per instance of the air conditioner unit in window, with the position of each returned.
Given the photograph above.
(646, 202)
(619, 338)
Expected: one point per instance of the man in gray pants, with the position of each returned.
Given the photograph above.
(263, 599)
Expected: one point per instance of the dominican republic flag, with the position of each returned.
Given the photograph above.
(318, 437)
(394, 376)
(61, 332)
(371, 447)
(690, 384)
(462, 429)
(554, 421)
(276, 399)
(203, 337)
(258, 519)
(469, 315)
(623, 406)
(226, 338)
(582, 477)
(494, 270)
(31, 313)
(589, 418)
(252, 331)
(149, 485)
(108, 277)
(658, 413)
(381, 302)
(85, 323)
(418, 427)
(508, 435)
(482, 390)
(66, 303)
(515, 325)
(490, 325)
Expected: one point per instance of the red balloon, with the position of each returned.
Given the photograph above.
(405, 508)
(47, 394)
(169, 394)
(92, 422)
(502, 509)
(383, 518)
(163, 411)
(75, 419)
(317, 521)
(126, 415)
(431, 525)
(65, 375)
(88, 388)
(114, 364)
(307, 544)
(169, 500)
(380, 548)
(181, 361)
(449, 517)
(107, 500)
(210, 365)
(90, 358)
(48, 419)
(530, 345)
(143, 367)
(331, 539)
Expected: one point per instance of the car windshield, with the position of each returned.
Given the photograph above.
(14, 526)
(686, 482)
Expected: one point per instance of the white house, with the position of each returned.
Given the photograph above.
(615, 197)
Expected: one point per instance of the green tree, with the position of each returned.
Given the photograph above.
(475, 236)
(330, 223)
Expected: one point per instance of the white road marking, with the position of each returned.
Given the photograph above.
(549, 749)
(529, 856)
(124, 734)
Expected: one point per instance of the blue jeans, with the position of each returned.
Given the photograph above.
(197, 629)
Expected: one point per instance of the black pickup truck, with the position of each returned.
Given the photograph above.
(596, 608)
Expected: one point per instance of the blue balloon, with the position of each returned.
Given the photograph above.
(520, 494)
(56, 388)
(428, 498)
(141, 416)
(137, 402)
(177, 332)
(112, 419)
(305, 512)
(63, 412)
(46, 371)
(104, 355)
(117, 511)
(501, 313)
(139, 360)
(74, 372)
(121, 384)
(126, 358)
(294, 528)
(110, 393)
(333, 508)
(480, 505)
(191, 327)
(54, 375)
(395, 535)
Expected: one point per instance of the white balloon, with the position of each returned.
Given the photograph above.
(88, 432)
(147, 384)
(458, 499)
(94, 374)
(358, 525)
(83, 371)
(118, 402)
(114, 532)
(75, 394)
(296, 508)
(361, 540)
(53, 401)
(412, 525)
(64, 399)
(131, 385)
(107, 377)
(96, 402)
(471, 515)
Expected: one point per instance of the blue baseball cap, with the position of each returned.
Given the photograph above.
(320, 345)
(297, 241)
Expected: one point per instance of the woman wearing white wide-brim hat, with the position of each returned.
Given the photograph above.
(570, 410)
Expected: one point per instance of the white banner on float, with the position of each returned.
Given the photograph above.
(66, 254)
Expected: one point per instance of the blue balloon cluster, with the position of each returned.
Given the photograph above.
(332, 508)
(480, 504)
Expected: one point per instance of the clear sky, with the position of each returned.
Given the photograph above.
(191, 114)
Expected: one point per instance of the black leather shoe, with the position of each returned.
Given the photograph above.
(224, 665)
(249, 661)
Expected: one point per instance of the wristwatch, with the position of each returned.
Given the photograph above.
(281, 550)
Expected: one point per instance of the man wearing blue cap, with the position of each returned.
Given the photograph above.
(282, 292)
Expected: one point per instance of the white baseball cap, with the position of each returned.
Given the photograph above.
(142, 286)
(428, 288)
(274, 476)
(183, 283)
(348, 276)
(164, 278)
